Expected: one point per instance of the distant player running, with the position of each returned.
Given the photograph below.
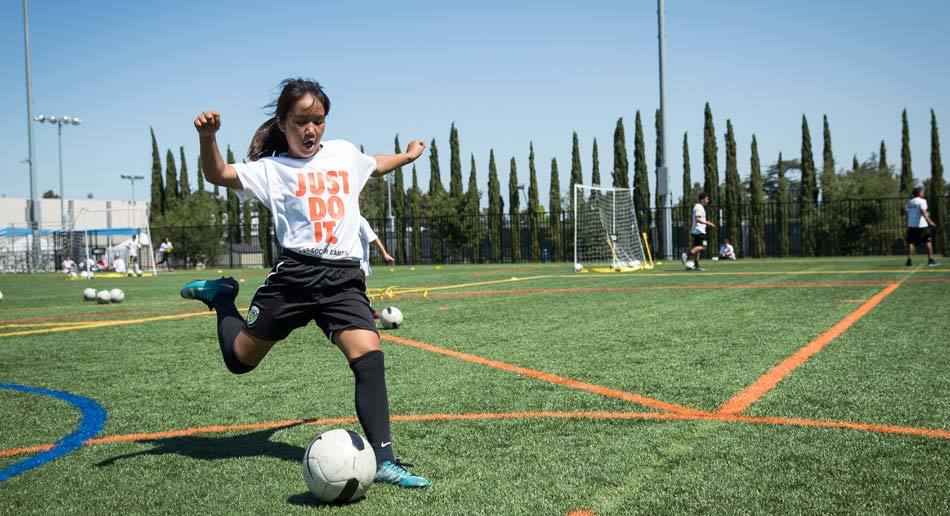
(918, 227)
(698, 230)
(312, 189)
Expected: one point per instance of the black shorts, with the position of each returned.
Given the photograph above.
(300, 289)
(699, 240)
(918, 236)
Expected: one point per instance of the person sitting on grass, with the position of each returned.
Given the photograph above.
(118, 265)
(69, 266)
(726, 251)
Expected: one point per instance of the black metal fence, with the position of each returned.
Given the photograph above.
(841, 228)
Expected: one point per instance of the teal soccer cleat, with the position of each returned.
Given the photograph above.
(206, 290)
(395, 472)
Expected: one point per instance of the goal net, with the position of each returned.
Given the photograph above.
(606, 234)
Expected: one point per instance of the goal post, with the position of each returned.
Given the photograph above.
(606, 233)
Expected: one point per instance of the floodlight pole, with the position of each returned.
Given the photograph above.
(132, 179)
(662, 172)
(34, 210)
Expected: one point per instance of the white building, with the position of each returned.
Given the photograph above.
(84, 213)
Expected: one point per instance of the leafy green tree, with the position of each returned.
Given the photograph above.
(247, 220)
(936, 192)
(264, 237)
(157, 202)
(711, 172)
(757, 205)
(641, 181)
(595, 166)
(471, 222)
(399, 208)
(808, 196)
(621, 174)
(184, 184)
(688, 194)
(733, 191)
(828, 175)
(534, 209)
(455, 170)
(171, 181)
(496, 209)
(435, 177)
(907, 175)
(781, 215)
(201, 176)
(554, 213)
(882, 157)
(514, 212)
(436, 205)
(415, 217)
(233, 208)
(576, 174)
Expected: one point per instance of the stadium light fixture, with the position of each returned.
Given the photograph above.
(60, 122)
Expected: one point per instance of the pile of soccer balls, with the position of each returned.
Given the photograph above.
(103, 296)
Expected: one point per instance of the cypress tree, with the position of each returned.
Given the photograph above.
(435, 176)
(415, 217)
(595, 167)
(936, 192)
(472, 224)
(621, 174)
(688, 193)
(882, 159)
(247, 217)
(757, 207)
(577, 177)
(233, 208)
(641, 181)
(808, 194)
(496, 208)
(711, 172)
(201, 176)
(184, 184)
(907, 176)
(399, 208)
(554, 212)
(435, 205)
(781, 216)
(514, 212)
(854, 163)
(534, 209)
(157, 200)
(829, 179)
(263, 234)
(171, 181)
(455, 178)
(733, 191)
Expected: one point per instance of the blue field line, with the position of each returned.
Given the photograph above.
(92, 421)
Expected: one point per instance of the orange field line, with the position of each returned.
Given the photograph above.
(602, 415)
(745, 398)
(547, 377)
(581, 512)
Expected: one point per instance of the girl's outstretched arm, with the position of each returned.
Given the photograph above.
(386, 163)
(216, 171)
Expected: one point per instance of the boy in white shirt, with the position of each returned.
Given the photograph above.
(118, 265)
(699, 232)
(134, 247)
(918, 227)
(726, 251)
(69, 266)
(163, 250)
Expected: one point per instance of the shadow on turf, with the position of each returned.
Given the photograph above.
(254, 444)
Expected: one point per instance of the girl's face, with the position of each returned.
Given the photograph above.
(303, 127)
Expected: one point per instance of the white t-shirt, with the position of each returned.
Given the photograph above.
(134, 247)
(367, 237)
(118, 265)
(315, 201)
(726, 250)
(165, 247)
(68, 265)
(699, 219)
(915, 213)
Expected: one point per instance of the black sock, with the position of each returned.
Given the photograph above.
(230, 324)
(372, 403)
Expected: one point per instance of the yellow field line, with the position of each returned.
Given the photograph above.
(46, 324)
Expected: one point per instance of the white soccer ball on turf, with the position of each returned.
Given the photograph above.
(339, 466)
(89, 294)
(1, 296)
(391, 317)
(117, 295)
(103, 297)
(73, 275)
(83, 274)
(578, 267)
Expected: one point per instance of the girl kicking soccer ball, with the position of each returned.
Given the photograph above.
(312, 188)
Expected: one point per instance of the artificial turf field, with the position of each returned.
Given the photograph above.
(760, 386)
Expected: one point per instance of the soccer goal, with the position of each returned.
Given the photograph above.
(606, 234)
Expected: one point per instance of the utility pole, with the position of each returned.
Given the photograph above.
(662, 172)
(34, 209)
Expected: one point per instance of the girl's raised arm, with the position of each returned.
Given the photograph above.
(386, 163)
(216, 171)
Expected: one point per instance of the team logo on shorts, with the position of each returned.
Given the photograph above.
(252, 314)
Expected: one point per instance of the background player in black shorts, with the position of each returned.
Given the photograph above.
(918, 227)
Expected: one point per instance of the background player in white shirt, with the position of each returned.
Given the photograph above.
(69, 266)
(367, 237)
(918, 227)
(698, 230)
(134, 245)
(164, 249)
(726, 251)
(312, 189)
(118, 264)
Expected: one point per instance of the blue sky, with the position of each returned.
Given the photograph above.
(505, 73)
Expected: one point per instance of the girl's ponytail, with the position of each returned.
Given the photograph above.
(268, 141)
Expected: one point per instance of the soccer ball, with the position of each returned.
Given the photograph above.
(73, 275)
(633, 264)
(690, 264)
(89, 294)
(83, 274)
(339, 466)
(117, 295)
(1, 296)
(578, 267)
(103, 297)
(391, 318)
